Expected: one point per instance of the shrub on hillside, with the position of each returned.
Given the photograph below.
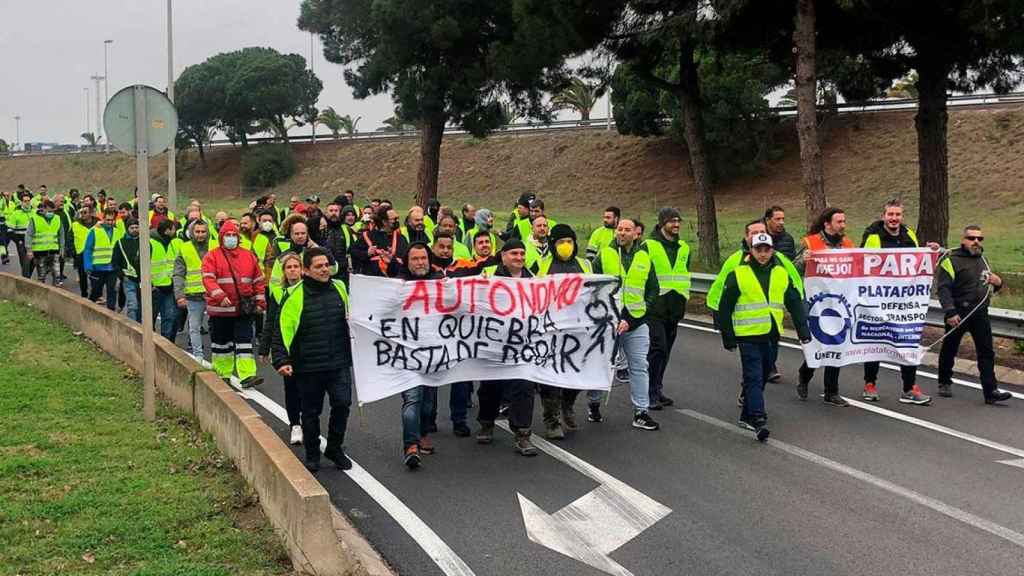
(267, 165)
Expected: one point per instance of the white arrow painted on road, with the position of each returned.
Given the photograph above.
(1017, 463)
(597, 523)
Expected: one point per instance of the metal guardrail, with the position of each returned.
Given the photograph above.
(1005, 323)
(967, 100)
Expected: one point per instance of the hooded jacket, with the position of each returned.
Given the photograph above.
(231, 274)
(559, 266)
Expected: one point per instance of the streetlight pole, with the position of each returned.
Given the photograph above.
(97, 79)
(106, 92)
(17, 132)
(88, 121)
(172, 175)
(312, 39)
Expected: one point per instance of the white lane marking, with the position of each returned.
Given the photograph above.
(597, 523)
(446, 559)
(1014, 463)
(886, 365)
(941, 507)
(938, 428)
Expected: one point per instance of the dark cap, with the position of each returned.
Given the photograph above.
(513, 244)
(666, 214)
(526, 199)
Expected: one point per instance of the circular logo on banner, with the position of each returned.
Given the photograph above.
(829, 318)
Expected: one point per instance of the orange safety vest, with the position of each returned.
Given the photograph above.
(815, 243)
(394, 248)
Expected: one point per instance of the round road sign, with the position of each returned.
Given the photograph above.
(160, 116)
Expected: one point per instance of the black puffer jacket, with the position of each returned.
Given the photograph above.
(963, 290)
(321, 343)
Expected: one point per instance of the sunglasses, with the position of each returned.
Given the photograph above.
(975, 238)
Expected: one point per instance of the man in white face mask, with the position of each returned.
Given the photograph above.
(263, 239)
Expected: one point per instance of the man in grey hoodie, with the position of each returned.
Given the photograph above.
(189, 293)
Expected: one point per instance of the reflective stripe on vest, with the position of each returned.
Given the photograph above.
(46, 233)
(754, 313)
(102, 247)
(291, 311)
(162, 263)
(671, 277)
(634, 280)
(193, 268)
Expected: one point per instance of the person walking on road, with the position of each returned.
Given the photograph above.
(126, 265)
(80, 228)
(189, 293)
(775, 221)
(17, 224)
(235, 292)
(162, 253)
(312, 346)
(44, 238)
(827, 233)
(750, 317)
(604, 235)
(670, 257)
(380, 251)
(291, 265)
(558, 404)
(518, 393)
(417, 403)
(890, 232)
(97, 258)
(637, 295)
(965, 285)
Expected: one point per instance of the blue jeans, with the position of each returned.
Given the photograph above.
(196, 313)
(756, 358)
(635, 344)
(417, 404)
(165, 307)
(132, 301)
(458, 401)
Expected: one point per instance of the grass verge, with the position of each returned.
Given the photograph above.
(89, 487)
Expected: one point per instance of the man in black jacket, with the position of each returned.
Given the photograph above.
(417, 403)
(518, 393)
(775, 221)
(670, 257)
(336, 239)
(750, 318)
(380, 251)
(964, 284)
(313, 347)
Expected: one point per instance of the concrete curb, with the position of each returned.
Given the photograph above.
(319, 539)
(1004, 374)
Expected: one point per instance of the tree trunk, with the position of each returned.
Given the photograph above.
(585, 116)
(693, 131)
(932, 153)
(431, 133)
(202, 153)
(811, 169)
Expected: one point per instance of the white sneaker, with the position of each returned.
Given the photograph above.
(296, 435)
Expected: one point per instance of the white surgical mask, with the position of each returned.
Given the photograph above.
(267, 226)
(231, 242)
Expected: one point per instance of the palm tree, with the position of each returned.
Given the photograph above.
(580, 96)
(509, 113)
(394, 124)
(329, 117)
(91, 139)
(789, 98)
(348, 124)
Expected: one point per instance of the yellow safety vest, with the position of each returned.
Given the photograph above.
(405, 233)
(875, 240)
(17, 221)
(46, 234)
(545, 265)
(671, 277)
(525, 226)
(102, 247)
(80, 233)
(634, 280)
(754, 313)
(601, 238)
(162, 263)
(193, 267)
(291, 311)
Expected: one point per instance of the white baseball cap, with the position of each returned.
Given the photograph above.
(761, 239)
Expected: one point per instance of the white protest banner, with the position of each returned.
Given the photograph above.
(867, 305)
(556, 330)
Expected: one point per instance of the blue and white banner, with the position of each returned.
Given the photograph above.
(867, 305)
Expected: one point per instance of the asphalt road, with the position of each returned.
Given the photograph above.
(835, 491)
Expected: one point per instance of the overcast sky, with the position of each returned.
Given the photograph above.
(50, 48)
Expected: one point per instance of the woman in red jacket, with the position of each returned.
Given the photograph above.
(234, 295)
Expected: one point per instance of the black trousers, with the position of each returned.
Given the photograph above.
(518, 393)
(831, 377)
(292, 401)
(908, 373)
(663, 337)
(337, 384)
(83, 276)
(26, 264)
(100, 281)
(981, 332)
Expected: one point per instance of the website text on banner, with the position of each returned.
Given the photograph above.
(558, 330)
(867, 305)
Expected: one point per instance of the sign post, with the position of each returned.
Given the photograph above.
(141, 121)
